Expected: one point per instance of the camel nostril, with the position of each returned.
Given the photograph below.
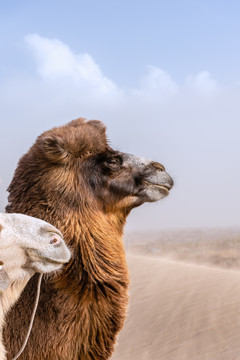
(158, 166)
(55, 240)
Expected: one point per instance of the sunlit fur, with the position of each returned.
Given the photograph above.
(69, 179)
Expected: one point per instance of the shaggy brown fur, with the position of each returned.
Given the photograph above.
(72, 178)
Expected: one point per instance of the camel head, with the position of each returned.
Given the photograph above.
(75, 165)
(28, 245)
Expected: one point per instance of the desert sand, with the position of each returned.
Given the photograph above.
(180, 311)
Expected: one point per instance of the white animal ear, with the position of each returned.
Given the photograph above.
(4, 280)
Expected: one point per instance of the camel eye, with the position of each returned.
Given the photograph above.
(1, 265)
(114, 163)
(55, 240)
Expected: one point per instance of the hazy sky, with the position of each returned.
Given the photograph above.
(164, 76)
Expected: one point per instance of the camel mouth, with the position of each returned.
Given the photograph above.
(165, 187)
(39, 257)
(52, 261)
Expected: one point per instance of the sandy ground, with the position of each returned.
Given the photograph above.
(180, 311)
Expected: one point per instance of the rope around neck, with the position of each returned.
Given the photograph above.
(32, 317)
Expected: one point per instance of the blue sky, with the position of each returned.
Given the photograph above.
(181, 37)
(164, 77)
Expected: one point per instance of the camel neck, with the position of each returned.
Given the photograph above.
(98, 251)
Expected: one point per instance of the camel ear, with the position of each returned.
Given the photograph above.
(4, 280)
(98, 124)
(54, 150)
(77, 122)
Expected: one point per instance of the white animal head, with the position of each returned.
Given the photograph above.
(28, 245)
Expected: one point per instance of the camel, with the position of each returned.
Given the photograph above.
(27, 245)
(73, 179)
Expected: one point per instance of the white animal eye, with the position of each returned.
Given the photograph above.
(1, 265)
(55, 240)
